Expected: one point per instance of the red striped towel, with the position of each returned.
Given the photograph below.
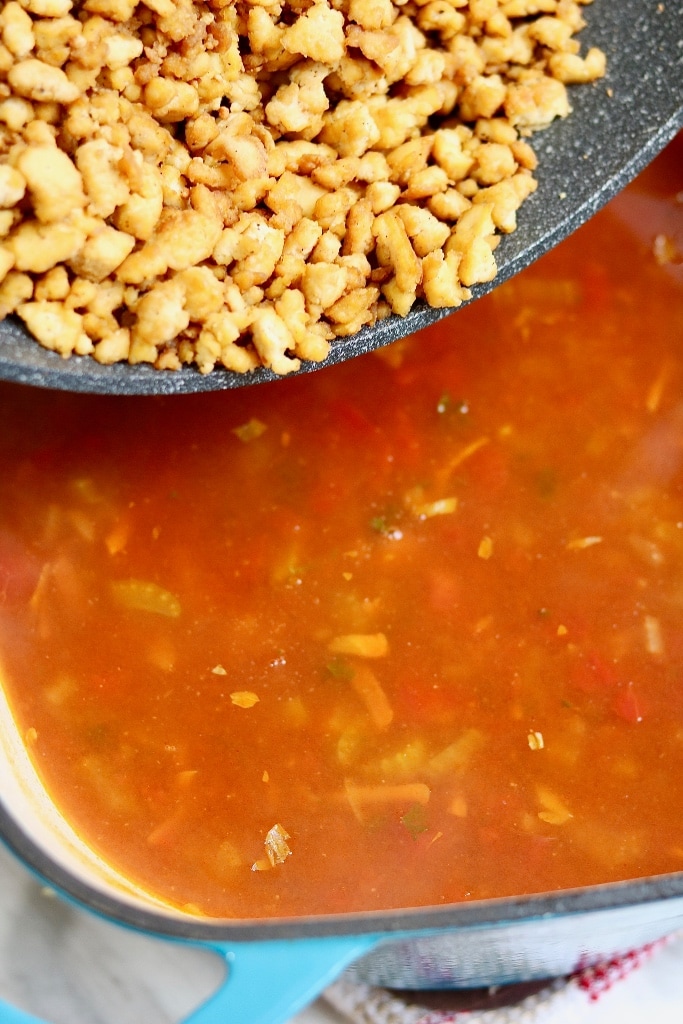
(559, 1001)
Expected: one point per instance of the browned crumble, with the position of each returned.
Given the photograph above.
(236, 184)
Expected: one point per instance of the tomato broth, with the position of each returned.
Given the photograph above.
(403, 632)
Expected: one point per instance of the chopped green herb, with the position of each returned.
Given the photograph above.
(340, 669)
(415, 820)
(387, 525)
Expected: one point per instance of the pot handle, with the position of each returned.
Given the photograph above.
(268, 982)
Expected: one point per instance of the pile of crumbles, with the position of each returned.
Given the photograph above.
(237, 184)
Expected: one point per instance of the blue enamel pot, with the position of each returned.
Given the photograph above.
(492, 942)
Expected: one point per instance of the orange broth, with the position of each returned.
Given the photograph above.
(422, 613)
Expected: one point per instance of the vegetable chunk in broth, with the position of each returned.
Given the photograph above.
(405, 632)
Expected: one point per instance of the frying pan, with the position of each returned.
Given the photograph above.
(619, 124)
(276, 967)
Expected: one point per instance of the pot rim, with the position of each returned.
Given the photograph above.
(463, 915)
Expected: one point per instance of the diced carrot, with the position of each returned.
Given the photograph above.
(485, 549)
(117, 538)
(553, 810)
(581, 543)
(363, 645)
(465, 453)
(361, 798)
(457, 756)
(370, 691)
(167, 832)
(424, 508)
(145, 596)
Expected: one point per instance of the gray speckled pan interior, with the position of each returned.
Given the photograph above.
(619, 124)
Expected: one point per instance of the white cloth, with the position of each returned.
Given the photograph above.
(600, 994)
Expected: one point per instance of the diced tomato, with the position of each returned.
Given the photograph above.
(406, 438)
(628, 705)
(595, 674)
(357, 428)
(597, 287)
(350, 417)
(489, 468)
(328, 495)
(415, 702)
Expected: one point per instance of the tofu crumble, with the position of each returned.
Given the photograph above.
(229, 184)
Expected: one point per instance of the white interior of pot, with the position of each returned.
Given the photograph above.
(27, 802)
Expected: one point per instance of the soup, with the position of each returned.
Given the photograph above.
(401, 633)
